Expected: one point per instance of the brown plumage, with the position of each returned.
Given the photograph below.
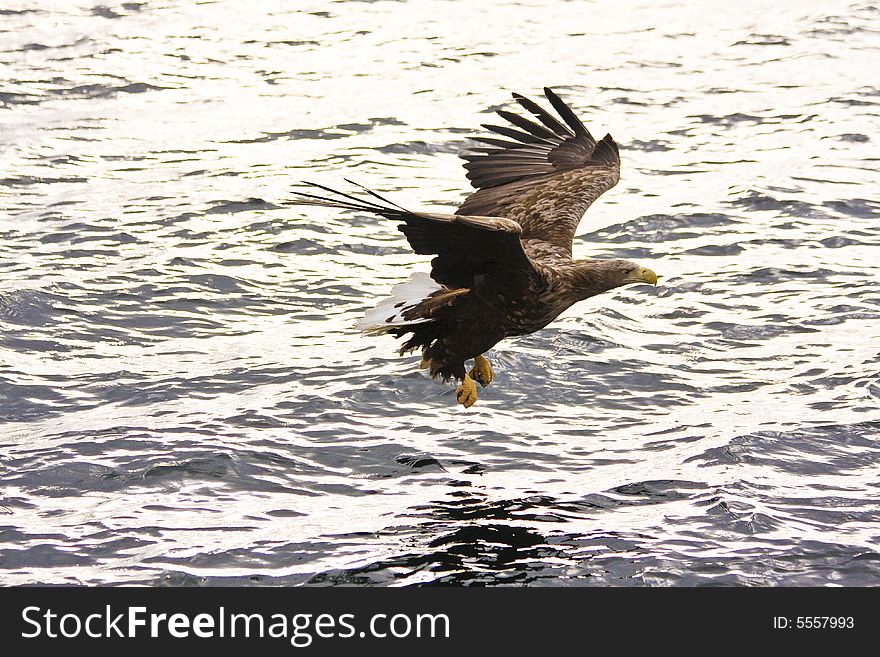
(503, 262)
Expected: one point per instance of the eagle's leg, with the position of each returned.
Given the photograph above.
(466, 393)
(482, 371)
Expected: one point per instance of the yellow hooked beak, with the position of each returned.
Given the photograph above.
(643, 275)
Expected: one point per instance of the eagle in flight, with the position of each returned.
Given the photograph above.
(503, 262)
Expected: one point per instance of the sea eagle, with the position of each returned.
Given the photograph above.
(503, 262)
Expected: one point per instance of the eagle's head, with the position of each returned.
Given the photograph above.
(630, 272)
(597, 276)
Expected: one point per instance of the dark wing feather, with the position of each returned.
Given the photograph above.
(469, 250)
(542, 115)
(528, 126)
(567, 115)
(544, 175)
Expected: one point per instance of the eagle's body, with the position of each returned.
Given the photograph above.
(503, 264)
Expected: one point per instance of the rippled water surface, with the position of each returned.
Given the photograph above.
(184, 398)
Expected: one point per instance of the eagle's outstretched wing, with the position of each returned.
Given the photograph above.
(543, 176)
(467, 248)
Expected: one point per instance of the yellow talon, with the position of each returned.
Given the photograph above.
(466, 393)
(482, 371)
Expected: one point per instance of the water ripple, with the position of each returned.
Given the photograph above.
(185, 400)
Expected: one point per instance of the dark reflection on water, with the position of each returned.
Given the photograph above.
(183, 397)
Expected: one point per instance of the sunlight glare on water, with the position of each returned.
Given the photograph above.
(185, 399)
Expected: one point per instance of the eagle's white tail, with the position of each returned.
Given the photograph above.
(405, 296)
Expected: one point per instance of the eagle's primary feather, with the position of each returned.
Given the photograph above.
(503, 262)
